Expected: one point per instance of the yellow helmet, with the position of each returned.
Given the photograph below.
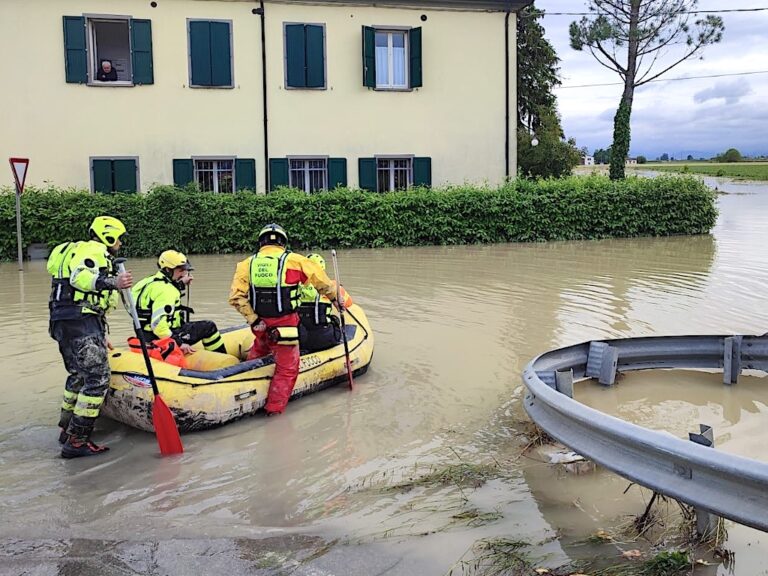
(173, 259)
(107, 229)
(273, 234)
(317, 259)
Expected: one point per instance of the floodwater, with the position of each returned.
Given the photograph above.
(311, 491)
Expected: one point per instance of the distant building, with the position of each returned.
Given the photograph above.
(631, 161)
(587, 160)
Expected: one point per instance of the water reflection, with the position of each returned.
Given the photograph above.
(454, 327)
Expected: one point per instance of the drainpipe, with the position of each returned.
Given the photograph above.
(506, 91)
(260, 12)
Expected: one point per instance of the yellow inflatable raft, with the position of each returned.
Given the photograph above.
(217, 388)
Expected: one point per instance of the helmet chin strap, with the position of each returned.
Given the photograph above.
(167, 272)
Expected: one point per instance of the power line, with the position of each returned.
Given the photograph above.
(666, 79)
(723, 11)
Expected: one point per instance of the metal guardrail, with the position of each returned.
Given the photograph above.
(729, 486)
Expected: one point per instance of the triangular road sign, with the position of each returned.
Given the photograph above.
(19, 167)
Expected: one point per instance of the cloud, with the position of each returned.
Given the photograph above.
(701, 116)
(732, 92)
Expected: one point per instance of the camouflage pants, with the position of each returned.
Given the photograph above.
(83, 347)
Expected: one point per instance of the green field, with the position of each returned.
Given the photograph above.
(744, 170)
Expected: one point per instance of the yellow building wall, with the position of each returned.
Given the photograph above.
(456, 118)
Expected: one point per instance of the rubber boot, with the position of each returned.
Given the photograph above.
(77, 448)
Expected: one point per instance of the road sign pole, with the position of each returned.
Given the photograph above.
(18, 227)
(19, 168)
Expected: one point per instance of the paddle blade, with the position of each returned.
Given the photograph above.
(165, 428)
(349, 375)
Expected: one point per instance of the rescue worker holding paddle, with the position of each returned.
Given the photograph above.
(320, 329)
(83, 289)
(158, 305)
(265, 290)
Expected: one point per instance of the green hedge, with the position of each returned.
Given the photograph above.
(203, 223)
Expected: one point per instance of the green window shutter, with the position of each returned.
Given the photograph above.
(124, 175)
(422, 171)
(415, 47)
(315, 50)
(75, 58)
(278, 173)
(245, 173)
(200, 53)
(221, 54)
(141, 51)
(367, 177)
(102, 176)
(337, 173)
(183, 171)
(295, 56)
(369, 57)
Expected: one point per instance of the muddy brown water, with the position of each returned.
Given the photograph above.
(454, 327)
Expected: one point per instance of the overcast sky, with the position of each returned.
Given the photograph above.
(700, 117)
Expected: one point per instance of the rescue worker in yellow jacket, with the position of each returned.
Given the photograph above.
(158, 305)
(320, 329)
(83, 289)
(265, 290)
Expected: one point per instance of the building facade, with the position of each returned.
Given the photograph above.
(232, 95)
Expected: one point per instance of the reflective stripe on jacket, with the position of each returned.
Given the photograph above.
(158, 304)
(82, 280)
(317, 310)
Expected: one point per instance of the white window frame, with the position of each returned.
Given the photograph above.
(231, 54)
(90, 46)
(391, 168)
(307, 170)
(110, 158)
(389, 31)
(216, 171)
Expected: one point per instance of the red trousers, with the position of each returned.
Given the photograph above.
(286, 362)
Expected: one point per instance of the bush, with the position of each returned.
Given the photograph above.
(203, 223)
(730, 155)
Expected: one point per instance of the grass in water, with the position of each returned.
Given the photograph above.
(667, 563)
(461, 475)
(474, 517)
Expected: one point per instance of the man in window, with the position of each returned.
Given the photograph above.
(106, 73)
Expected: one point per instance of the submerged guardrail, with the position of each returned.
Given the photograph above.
(724, 484)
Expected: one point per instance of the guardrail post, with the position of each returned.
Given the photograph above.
(564, 382)
(602, 362)
(731, 359)
(706, 522)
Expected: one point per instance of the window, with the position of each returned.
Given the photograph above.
(108, 51)
(215, 175)
(388, 173)
(304, 56)
(392, 58)
(308, 174)
(114, 175)
(393, 174)
(210, 54)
